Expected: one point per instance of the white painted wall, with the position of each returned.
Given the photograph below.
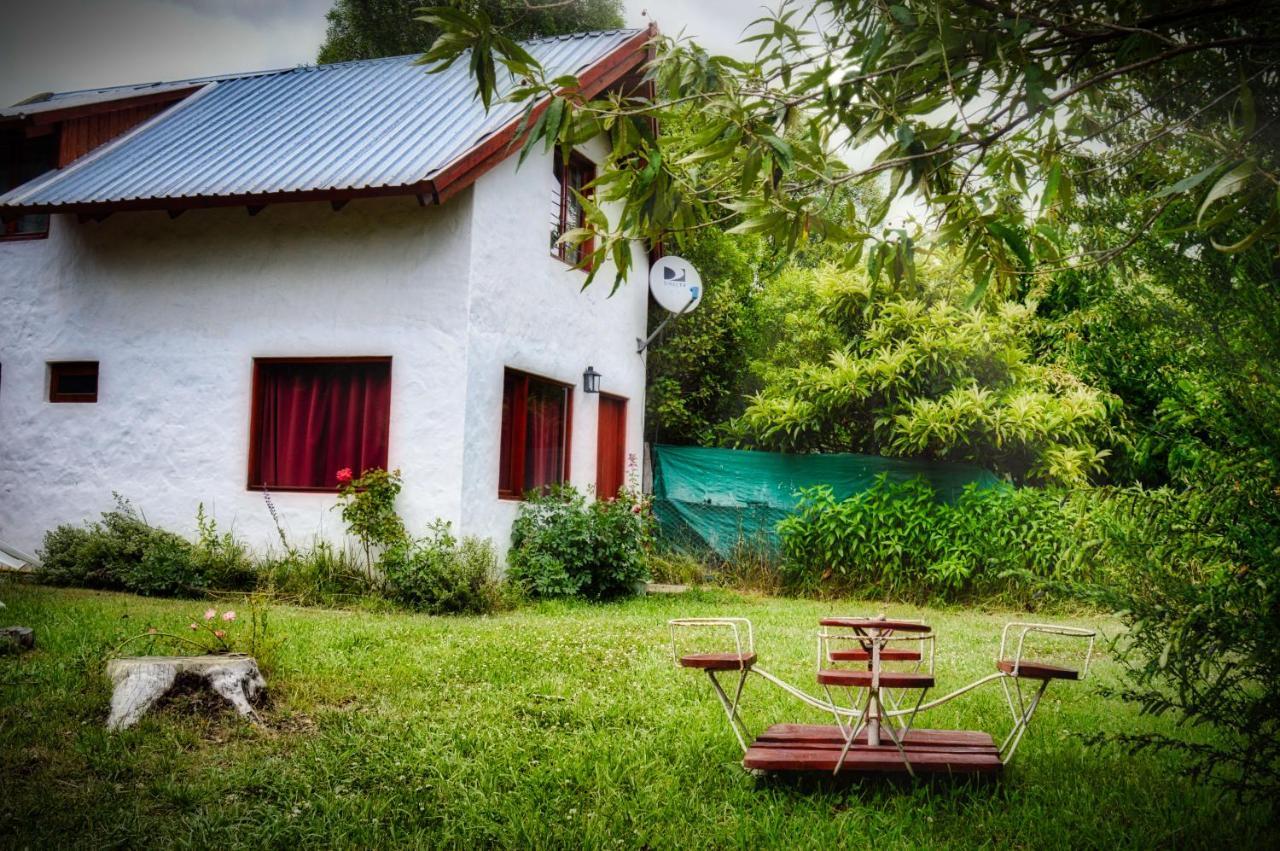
(176, 310)
(528, 311)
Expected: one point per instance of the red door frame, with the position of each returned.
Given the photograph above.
(611, 442)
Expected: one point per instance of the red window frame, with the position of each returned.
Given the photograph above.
(253, 478)
(611, 448)
(512, 463)
(23, 159)
(59, 370)
(576, 175)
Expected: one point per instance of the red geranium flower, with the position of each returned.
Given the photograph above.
(344, 476)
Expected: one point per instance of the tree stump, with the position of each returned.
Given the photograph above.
(18, 637)
(140, 681)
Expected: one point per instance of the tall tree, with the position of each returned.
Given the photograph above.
(369, 29)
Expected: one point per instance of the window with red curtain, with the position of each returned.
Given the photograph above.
(611, 446)
(572, 178)
(313, 417)
(536, 419)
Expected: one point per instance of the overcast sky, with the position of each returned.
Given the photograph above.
(60, 45)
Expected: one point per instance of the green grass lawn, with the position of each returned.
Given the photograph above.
(560, 725)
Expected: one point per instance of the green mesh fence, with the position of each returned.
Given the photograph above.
(725, 499)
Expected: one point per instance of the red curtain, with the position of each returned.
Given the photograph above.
(544, 435)
(313, 419)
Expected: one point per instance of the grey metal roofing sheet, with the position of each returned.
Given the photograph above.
(352, 125)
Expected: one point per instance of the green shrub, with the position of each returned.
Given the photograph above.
(898, 538)
(1197, 586)
(166, 569)
(368, 506)
(120, 552)
(437, 573)
(223, 560)
(562, 546)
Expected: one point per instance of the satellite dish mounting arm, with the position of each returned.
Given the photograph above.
(641, 345)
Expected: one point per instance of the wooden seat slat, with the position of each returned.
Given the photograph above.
(801, 734)
(718, 661)
(888, 679)
(1038, 670)
(879, 760)
(872, 623)
(888, 654)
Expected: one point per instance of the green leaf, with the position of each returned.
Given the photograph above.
(1014, 240)
(1051, 186)
(1187, 183)
(1230, 183)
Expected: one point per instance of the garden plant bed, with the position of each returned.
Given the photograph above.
(557, 725)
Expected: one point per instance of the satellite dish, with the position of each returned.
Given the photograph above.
(675, 284)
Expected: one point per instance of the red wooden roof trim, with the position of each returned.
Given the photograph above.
(460, 174)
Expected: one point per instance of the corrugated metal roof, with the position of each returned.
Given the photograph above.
(348, 126)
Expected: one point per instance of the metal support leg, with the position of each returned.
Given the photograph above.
(731, 707)
(1015, 735)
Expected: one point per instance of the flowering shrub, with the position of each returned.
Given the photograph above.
(368, 506)
(561, 546)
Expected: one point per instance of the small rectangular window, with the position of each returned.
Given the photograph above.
(73, 381)
(537, 417)
(21, 160)
(315, 416)
(572, 178)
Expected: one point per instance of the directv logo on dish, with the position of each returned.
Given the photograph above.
(675, 284)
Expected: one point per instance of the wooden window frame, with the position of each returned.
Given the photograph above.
(58, 369)
(516, 456)
(560, 250)
(255, 450)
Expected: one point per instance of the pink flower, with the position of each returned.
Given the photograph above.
(210, 614)
(219, 633)
(344, 476)
(636, 509)
(194, 627)
(228, 616)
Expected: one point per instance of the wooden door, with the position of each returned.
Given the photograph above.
(611, 446)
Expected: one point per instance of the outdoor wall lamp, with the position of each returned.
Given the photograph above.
(591, 381)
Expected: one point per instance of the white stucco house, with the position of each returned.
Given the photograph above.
(217, 289)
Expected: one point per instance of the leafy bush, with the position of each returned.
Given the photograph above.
(899, 538)
(368, 505)
(121, 552)
(223, 559)
(166, 569)
(1199, 591)
(561, 546)
(438, 573)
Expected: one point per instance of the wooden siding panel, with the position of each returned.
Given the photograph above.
(81, 135)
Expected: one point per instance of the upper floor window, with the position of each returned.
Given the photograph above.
(572, 180)
(22, 159)
(73, 381)
(536, 421)
(314, 416)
